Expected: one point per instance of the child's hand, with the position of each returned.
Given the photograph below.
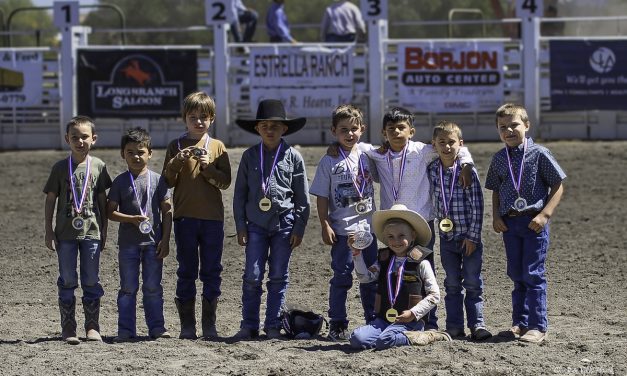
(163, 249)
(295, 241)
(538, 222)
(51, 241)
(498, 224)
(184, 154)
(469, 247)
(405, 317)
(138, 219)
(204, 161)
(242, 238)
(333, 150)
(465, 176)
(328, 235)
(351, 241)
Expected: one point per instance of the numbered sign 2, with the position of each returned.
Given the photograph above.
(219, 12)
(529, 8)
(65, 14)
(374, 9)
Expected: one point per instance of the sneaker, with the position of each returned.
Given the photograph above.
(246, 333)
(533, 336)
(518, 331)
(337, 333)
(456, 332)
(273, 333)
(164, 334)
(480, 334)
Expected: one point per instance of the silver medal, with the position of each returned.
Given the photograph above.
(363, 239)
(361, 207)
(78, 223)
(520, 204)
(145, 227)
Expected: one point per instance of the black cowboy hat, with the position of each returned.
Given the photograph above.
(271, 109)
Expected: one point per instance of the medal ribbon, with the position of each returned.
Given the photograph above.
(360, 190)
(446, 202)
(520, 171)
(178, 141)
(143, 211)
(399, 280)
(395, 191)
(265, 182)
(78, 205)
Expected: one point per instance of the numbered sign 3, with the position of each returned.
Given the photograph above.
(529, 8)
(65, 14)
(219, 12)
(374, 9)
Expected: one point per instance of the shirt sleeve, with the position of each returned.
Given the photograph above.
(549, 169)
(320, 186)
(240, 194)
(492, 180)
(282, 26)
(300, 187)
(474, 195)
(363, 273)
(431, 288)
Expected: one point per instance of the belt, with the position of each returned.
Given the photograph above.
(514, 213)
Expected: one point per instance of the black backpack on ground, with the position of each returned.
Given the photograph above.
(300, 323)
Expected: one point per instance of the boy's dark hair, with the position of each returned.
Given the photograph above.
(448, 127)
(347, 111)
(512, 109)
(137, 135)
(199, 101)
(80, 120)
(397, 115)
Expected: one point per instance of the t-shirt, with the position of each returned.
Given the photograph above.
(122, 192)
(58, 183)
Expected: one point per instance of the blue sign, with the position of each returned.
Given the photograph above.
(588, 75)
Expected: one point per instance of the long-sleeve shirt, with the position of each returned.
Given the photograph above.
(342, 18)
(276, 23)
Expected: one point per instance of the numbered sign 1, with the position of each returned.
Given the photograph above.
(219, 12)
(529, 8)
(374, 9)
(65, 13)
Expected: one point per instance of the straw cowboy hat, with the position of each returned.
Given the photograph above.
(400, 211)
(272, 109)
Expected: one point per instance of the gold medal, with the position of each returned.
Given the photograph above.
(265, 204)
(446, 225)
(391, 315)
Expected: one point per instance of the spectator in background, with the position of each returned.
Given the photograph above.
(246, 18)
(277, 25)
(342, 22)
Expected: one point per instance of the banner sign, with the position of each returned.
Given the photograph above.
(135, 83)
(21, 78)
(588, 75)
(311, 81)
(451, 76)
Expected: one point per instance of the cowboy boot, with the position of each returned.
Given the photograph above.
(419, 338)
(187, 315)
(92, 319)
(209, 318)
(68, 322)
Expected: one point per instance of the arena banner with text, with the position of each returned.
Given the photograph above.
(311, 81)
(135, 83)
(451, 76)
(21, 78)
(588, 75)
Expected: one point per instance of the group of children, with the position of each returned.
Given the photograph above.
(420, 186)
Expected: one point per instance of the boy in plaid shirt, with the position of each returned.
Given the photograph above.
(459, 212)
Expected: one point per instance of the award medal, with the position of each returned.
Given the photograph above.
(392, 313)
(363, 206)
(446, 224)
(520, 203)
(196, 151)
(395, 190)
(145, 227)
(77, 205)
(362, 236)
(265, 203)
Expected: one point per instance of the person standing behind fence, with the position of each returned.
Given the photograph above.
(342, 22)
(246, 17)
(277, 25)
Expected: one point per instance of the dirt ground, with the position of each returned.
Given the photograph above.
(587, 271)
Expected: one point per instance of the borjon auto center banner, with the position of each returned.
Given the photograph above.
(135, 83)
(588, 75)
(311, 81)
(21, 78)
(451, 76)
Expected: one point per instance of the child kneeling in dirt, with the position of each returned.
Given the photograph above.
(407, 288)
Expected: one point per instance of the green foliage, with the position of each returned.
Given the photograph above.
(38, 24)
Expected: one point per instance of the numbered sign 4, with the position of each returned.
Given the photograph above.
(374, 9)
(65, 14)
(529, 8)
(219, 12)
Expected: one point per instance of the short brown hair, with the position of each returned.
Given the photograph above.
(447, 127)
(512, 109)
(347, 111)
(81, 120)
(199, 101)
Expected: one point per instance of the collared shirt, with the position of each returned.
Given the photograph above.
(288, 189)
(342, 18)
(540, 173)
(465, 207)
(276, 23)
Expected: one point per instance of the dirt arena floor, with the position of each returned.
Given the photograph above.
(587, 273)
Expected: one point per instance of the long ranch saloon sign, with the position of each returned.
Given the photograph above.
(310, 81)
(451, 76)
(135, 83)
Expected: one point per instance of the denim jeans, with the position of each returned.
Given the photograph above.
(274, 248)
(198, 240)
(381, 334)
(462, 273)
(526, 254)
(431, 318)
(89, 253)
(130, 259)
(342, 280)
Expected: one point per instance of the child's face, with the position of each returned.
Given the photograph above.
(271, 132)
(136, 156)
(80, 139)
(398, 134)
(512, 130)
(447, 145)
(197, 123)
(398, 237)
(347, 133)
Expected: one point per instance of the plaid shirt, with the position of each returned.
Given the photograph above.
(465, 208)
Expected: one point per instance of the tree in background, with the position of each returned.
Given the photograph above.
(37, 22)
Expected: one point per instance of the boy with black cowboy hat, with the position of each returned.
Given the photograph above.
(271, 209)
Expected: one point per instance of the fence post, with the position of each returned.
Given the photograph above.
(531, 70)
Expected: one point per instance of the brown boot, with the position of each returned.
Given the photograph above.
(187, 315)
(419, 338)
(209, 318)
(92, 319)
(68, 322)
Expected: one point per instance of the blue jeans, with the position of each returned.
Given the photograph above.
(462, 273)
(198, 240)
(526, 254)
(248, 19)
(130, 259)
(274, 248)
(342, 281)
(381, 334)
(89, 253)
(431, 318)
